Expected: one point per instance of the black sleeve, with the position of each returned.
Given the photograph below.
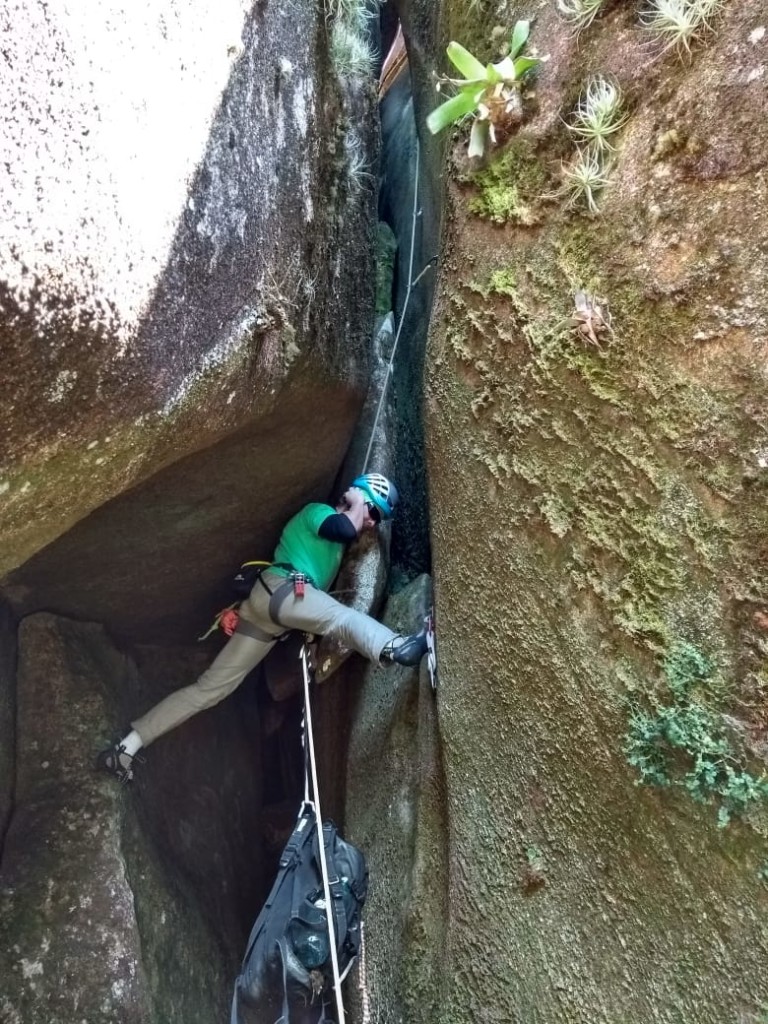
(338, 527)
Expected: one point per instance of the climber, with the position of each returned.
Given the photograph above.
(289, 594)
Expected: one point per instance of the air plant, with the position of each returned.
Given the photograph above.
(581, 13)
(491, 92)
(584, 177)
(680, 23)
(598, 114)
(352, 10)
(590, 317)
(350, 51)
(359, 173)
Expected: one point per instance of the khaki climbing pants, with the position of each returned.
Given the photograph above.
(256, 634)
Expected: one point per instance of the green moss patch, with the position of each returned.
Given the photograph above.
(509, 186)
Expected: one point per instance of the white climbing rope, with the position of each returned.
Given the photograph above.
(411, 285)
(309, 735)
(315, 804)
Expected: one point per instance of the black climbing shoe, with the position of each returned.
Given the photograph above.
(116, 761)
(406, 650)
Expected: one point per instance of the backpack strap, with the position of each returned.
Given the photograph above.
(290, 855)
(334, 886)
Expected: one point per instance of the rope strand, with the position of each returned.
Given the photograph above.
(411, 285)
(321, 837)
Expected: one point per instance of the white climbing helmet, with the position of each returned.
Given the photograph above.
(380, 491)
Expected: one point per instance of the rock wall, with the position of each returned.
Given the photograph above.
(99, 921)
(182, 236)
(7, 715)
(396, 813)
(597, 508)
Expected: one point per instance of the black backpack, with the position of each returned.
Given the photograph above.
(286, 974)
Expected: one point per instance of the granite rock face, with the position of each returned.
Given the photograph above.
(186, 305)
(121, 905)
(180, 241)
(598, 515)
(7, 714)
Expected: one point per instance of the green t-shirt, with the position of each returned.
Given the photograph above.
(301, 547)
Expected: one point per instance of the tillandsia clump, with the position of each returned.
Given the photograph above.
(680, 23)
(595, 121)
(490, 92)
(351, 51)
(598, 115)
(583, 179)
(580, 13)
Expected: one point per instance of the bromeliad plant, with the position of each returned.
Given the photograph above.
(490, 92)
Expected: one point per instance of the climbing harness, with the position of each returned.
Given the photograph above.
(242, 583)
(246, 578)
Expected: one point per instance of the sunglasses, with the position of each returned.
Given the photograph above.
(373, 512)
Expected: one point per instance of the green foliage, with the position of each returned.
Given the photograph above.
(684, 744)
(507, 187)
(490, 92)
(684, 667)
(503, 282)
(534, 857)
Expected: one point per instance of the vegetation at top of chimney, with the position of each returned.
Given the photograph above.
(490, 92)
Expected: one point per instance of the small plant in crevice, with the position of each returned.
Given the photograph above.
(580, 13)
(591, 317)
(352, 11)
(594, 122)
(678, 24)
(490, 93)
(359, 175)
(684, 744)
(598, 115)
(584, 178)
(351, 52)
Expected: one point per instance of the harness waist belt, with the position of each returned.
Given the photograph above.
(292, 571)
